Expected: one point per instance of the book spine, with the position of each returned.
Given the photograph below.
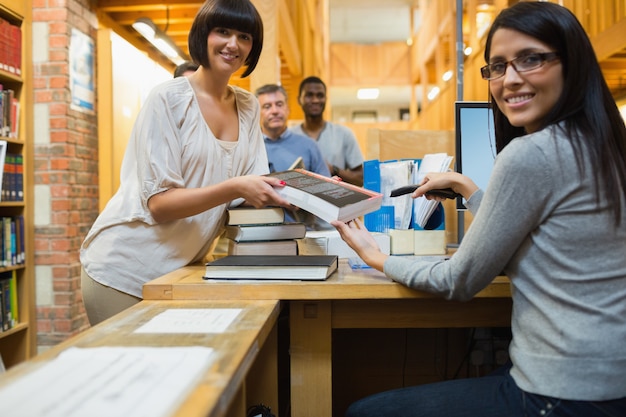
(13, 243)
(19, 176)
(6, 290)
(6, 113)
(6, 230)
(21, 240)
(12, 192)
(4, 42)
(13, 299)
(3, 322)
(15, 118)
(6, 176)
(2, 106)
(16, 38)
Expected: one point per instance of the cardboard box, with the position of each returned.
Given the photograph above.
(417, 242)
(402, 241)
(328, 242)
(429, 242)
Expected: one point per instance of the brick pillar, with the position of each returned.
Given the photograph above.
(66, 169)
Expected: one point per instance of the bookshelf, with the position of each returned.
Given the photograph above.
(18, 343)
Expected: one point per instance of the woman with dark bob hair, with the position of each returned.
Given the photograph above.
(233, 14)
(196, 148)
(553, 217)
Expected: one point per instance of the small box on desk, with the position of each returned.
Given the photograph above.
(431, 240)
(328, 242)
(417, 242)
(402, 241)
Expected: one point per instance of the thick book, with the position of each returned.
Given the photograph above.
(282, 267)
(325, 197)
(248, 233)
(276, 247)
(251, 215)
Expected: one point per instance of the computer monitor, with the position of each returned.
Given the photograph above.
(475, 142)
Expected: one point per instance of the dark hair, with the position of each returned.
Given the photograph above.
(240, 15)
(586, 110)
(310, 80)
(270, 88)
(180, 69)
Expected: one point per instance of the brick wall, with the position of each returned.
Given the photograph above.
(66, 168)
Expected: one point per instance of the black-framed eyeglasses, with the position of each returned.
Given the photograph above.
(523, 63)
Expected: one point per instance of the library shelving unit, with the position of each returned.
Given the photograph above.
(18, 343)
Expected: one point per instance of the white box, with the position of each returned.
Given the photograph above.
(402, 241)
(429, 242)
(328, 242)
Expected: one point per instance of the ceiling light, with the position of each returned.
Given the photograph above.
(433, 93)
(447, 75)
(367, 93)
(159, 39)
(467, 51)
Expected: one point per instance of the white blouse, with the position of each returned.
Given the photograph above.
(171, 146)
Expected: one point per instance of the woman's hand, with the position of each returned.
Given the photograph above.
(258, 191)
(178, 203)
(361, 241)
(439, 180)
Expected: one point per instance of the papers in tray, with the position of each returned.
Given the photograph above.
(423, 208)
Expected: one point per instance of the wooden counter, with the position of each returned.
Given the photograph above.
(243, 371)
(362, 298)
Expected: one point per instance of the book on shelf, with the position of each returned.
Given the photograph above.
(12, 185)
(11, 47)
(8, 98)
(250, 215)
(3, 177)
(326, 197)
(273, 247)
(280, 267)
(12, 241)
(7, 310)
(282, 231)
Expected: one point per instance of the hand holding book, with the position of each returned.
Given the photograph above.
(325, 197)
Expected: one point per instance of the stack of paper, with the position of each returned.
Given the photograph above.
(393, 175)
(423, 208)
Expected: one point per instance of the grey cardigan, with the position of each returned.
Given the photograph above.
(539, 221)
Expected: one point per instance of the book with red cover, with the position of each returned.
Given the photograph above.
(326, 197)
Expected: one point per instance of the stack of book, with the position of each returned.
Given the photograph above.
(263, 231)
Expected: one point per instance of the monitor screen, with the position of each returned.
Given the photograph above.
(475, 142)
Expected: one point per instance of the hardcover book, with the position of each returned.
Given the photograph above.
(325, 197)
(281, 267)
(276, 247)
(251, 215)
(282, 231)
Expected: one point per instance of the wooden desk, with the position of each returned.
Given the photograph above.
(245, 351)
(348, 299)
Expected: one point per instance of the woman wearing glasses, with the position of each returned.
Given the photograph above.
(553, 217)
